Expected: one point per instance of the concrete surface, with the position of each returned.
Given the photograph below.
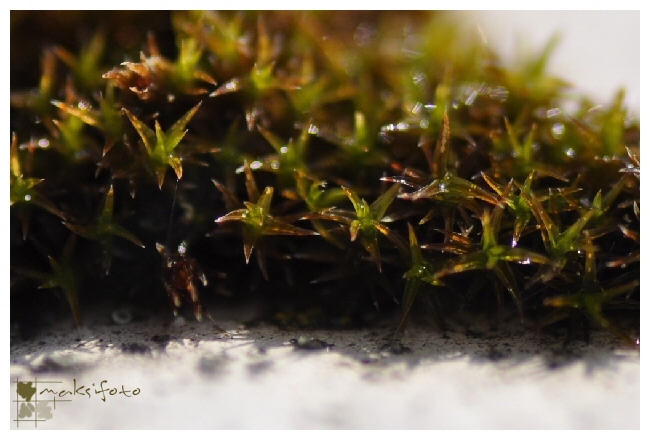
(223, 375)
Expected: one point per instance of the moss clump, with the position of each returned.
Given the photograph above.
(364, 158)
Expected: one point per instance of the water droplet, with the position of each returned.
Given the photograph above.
(256, 165)
(557, 130)
(28, 198)
(275, 164)
(402, 126)
(472, 97)
(284, 150)
(364, 34)
(182, 248)
(569, 152)
(84, 105)
(498, 93)
(553, 112)
(43, 143)
(312, 130)
(419, 77)
(424, 123)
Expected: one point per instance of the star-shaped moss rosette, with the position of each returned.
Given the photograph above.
(558, 244)
(316, 92)
(288, 158)
(446, 187)
(85, 67)
(599, 131)
(62, 276)
(38, 101)
(160, 145)
(421, 271)
(360, 150)
(104, 230)
(22, 191)
(590, 299)
(156, 78)
(124, 161)
(427, 119)
(449, 191)
(226, 37)
(260, 81)
(107, 118)
(367, 221)
(227, 151)
(529, 85)
(494, 257)
(186, 70)
(256, 84)
(70, 136)
(516, 158)
(318, 198)
(256, 218)
(558, 198)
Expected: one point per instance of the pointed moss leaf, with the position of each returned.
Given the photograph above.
(591, 297)
(358, 204)
(87, 115)
(440, 157)
(264, 201)
(104, 229)
(251, 186)
(121, 232)
(177, 131)
(147, 135)
(379, 206)
(276, 227)
(238, 215)
(232, 86)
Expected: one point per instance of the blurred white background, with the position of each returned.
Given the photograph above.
(599, 51)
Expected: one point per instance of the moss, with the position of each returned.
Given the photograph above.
(395, 153)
